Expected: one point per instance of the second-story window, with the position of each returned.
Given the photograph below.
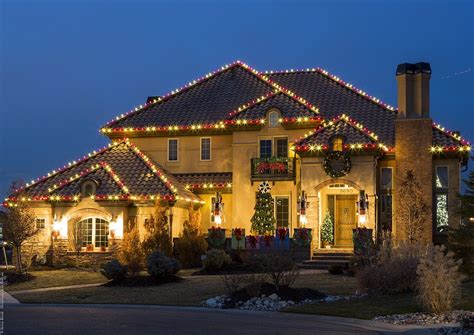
(337, 143)
(281, 147)
(172, 149)
(273, 117)
(265, 148)
(206, 149)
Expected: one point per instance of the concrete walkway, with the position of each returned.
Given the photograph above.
(9, 299)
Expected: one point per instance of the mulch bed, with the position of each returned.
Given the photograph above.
(285, 293)
(231, 269)
(13, 278)
(143, 281)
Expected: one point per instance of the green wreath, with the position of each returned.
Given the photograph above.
(337, 156)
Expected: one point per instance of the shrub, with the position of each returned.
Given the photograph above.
(439, 281)
(335, 269)
(131, 253)
(157, 234)
(160, 266)
(191, 244)
(254, 284)
(215, 260)
(392, 271)
(280, 270)
(233, 282)
(113, 270)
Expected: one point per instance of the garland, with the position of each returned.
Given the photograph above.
(337, 156)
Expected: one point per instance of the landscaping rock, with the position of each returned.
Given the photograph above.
(425, 318)
(274, 296)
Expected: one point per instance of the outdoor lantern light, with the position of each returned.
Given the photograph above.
(302, 205)
(362, 207)
(59, 227)
(217, 207)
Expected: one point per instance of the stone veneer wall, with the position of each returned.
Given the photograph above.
(413, 140)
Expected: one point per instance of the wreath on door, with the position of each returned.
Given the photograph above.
(337, 164)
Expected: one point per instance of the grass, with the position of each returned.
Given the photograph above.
(368, 308)
(62, 277)
(189, 292)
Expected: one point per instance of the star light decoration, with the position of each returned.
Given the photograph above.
(352, 146)
(10, 201)
(218, 125)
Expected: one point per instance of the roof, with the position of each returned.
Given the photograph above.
(355, 136)
(203, 182)
(121, 171)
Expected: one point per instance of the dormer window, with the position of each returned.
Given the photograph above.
(89, 188)
(337, 143)
(273, 118)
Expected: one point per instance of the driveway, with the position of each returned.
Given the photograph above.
(126, 319)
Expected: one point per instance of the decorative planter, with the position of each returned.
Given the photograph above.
(238, 239)
(103, 248)
(267, 242)
(252, 242)
(302, 237)
(282, 238)
(216, 238)
(90, 247)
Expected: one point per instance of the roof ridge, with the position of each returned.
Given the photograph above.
(351, 122)
(341, 82)
(186, 87)
(101, 165)
(69, 165)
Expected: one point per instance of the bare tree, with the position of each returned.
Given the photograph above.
(413, 210)
(20, 224)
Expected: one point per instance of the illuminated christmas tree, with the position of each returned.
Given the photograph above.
(327, 229)
(263, 221)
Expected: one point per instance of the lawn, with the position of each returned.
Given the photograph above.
(62, 277)
(189, 292)
(367, 308)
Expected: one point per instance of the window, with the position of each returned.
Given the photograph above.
(441, 199)
(337, 143)
(273, 118)
(89, 187)
(172, 149)
(386, 178)
(282, 212)
(205, 148)
(281, 145)
(95, 233)
(40, 223)
(441, 177)
(265, 148)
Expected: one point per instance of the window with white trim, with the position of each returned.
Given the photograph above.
(95, 233)
(205, 148)
(172, 149)
(273, 119)
(266, 148)
(282, 211)
(40, 223)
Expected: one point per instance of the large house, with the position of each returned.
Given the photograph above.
(303, 131)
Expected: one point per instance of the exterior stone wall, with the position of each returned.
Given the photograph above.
(413, 138)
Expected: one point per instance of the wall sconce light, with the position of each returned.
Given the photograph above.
(362, 208)
(59, 227)
(217, 207)
(302, 205)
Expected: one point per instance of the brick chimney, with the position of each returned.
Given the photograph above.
(413, 140)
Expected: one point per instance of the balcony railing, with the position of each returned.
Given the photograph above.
(273, 168)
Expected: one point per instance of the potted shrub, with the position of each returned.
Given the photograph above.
(282, 238)
(327, 231)
(238, 239)
(103, 248)
(90, 247)
(216, 237)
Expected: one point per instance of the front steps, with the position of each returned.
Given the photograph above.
(322, 258)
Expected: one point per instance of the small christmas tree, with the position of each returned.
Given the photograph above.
(263, 221)
(327, 229)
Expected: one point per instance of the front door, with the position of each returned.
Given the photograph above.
(345, 220)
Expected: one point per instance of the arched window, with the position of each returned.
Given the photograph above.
(273, 118)
(95, 233)
(337, 143)
(88, 187)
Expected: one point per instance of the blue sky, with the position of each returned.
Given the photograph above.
(67, 67)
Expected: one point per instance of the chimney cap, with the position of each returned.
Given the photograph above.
(407, 68)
